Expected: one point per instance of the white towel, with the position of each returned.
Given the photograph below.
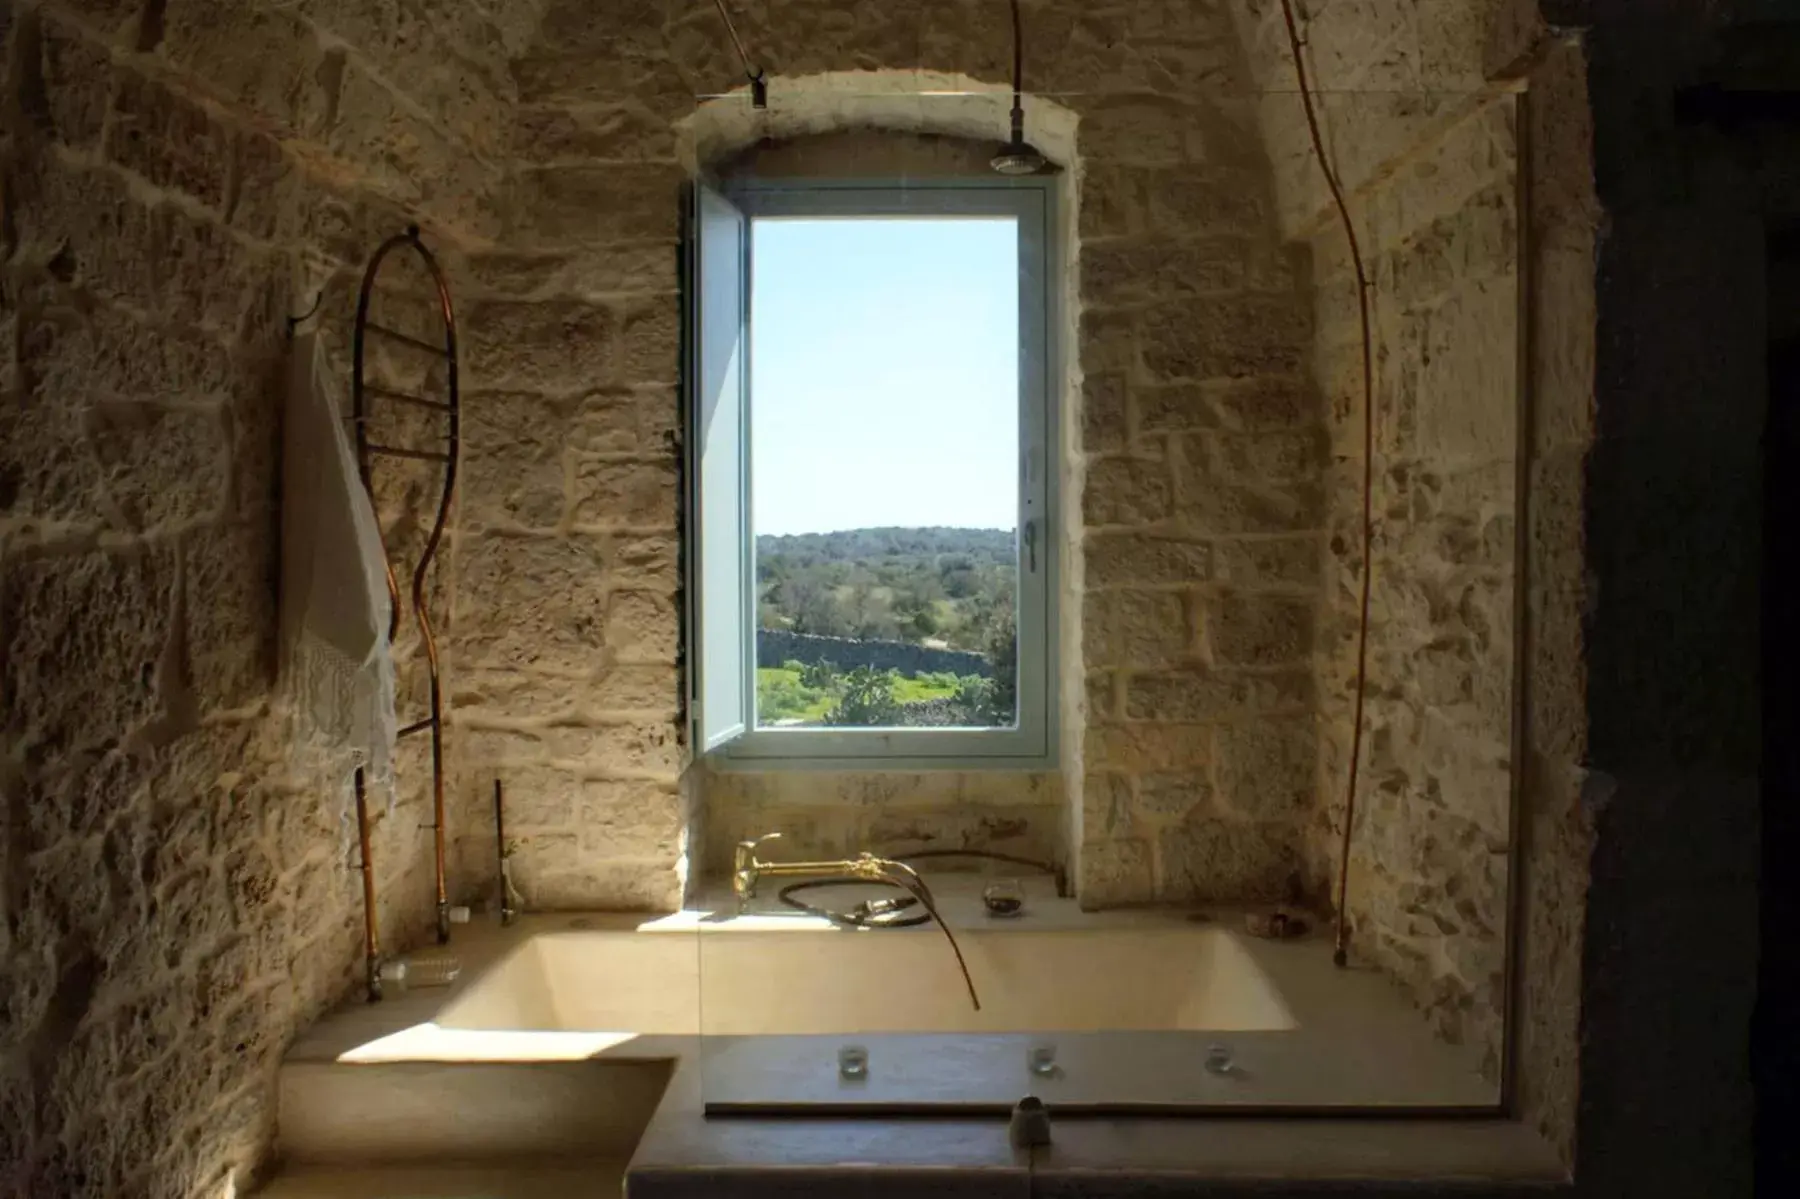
(336, 664)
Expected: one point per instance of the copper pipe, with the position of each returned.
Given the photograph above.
(1341, 950)
(371, 937)
(507, 912)
(361, 391)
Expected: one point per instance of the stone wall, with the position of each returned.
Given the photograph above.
(1195, 464)
(177, 898)
(836, 814)
(1425, 147)
(776, 646)
(1428, 870)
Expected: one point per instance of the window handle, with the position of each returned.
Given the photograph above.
(1031, 546)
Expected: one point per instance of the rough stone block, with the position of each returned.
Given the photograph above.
(1141, 560)
(1260, 630)
(1108, 341)
(1269, 456)
(649, 348)
(171, 141)
(1145, 747)
(512, 466)
(230, 610)
(1142, 129)
(1210, 505)
(264, 184)
(1136, 628)
(549, 133)
(531, 602)
(157, 257)
(634, 749)
(63, 81)
(553, 345)
(163, 466)
(1174, 796)
(1272, 563)
(1211, 860)
(1102, 707)
(1175, 407)
(266, 61)
(1115, 872)
(587, 205)
(1113, 200)
(1276, 402)
(593, 273)
(636, 688)
(1125, 491)
(101, 618)
(74, 347)
(646, 562)
(1105, 414)
(608, 493)
(110, 19)
(1201, 199)
(550, 73)
(1206, 696)
(1120, 272)
(631, 819)
(1269, 770)
(640, 422)
(1225, 338)
(568, 879)
(1107, 807)
(76, 795)
(398, 151)
(48, 468)
(642, 626)
(1467, 402)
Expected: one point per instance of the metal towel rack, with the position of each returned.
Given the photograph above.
(363, 393)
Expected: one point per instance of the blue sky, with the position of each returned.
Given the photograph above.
(884, 377)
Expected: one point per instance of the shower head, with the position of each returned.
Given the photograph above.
(1019, 157)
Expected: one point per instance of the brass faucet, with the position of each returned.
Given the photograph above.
(748, 869)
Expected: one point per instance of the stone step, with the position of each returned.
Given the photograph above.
(364, 1113)
(590, 1179)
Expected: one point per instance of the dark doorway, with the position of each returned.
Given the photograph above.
(1775, 1043)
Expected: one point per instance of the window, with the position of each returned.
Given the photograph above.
(871, 473)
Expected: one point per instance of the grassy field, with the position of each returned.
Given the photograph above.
(781, 695)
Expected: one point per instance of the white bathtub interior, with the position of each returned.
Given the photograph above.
(1126, 1010)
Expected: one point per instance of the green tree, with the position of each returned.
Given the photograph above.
(867, 701)
(820, 676)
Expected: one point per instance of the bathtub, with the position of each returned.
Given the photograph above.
(1121, 1012)
(832, 983)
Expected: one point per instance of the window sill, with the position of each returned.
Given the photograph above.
(724, 761)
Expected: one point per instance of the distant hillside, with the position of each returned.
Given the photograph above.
(995, 546)
(926, 585)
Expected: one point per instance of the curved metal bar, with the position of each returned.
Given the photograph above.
(365, 452)
(912, 881)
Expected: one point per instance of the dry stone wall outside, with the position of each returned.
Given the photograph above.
(177, 897)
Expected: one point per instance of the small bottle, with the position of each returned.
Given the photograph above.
(393, 976)
(432, 969)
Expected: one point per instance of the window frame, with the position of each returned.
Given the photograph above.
(1032, 743)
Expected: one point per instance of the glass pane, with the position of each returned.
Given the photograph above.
(884, 471)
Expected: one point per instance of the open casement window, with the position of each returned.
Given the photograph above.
(871, 464)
